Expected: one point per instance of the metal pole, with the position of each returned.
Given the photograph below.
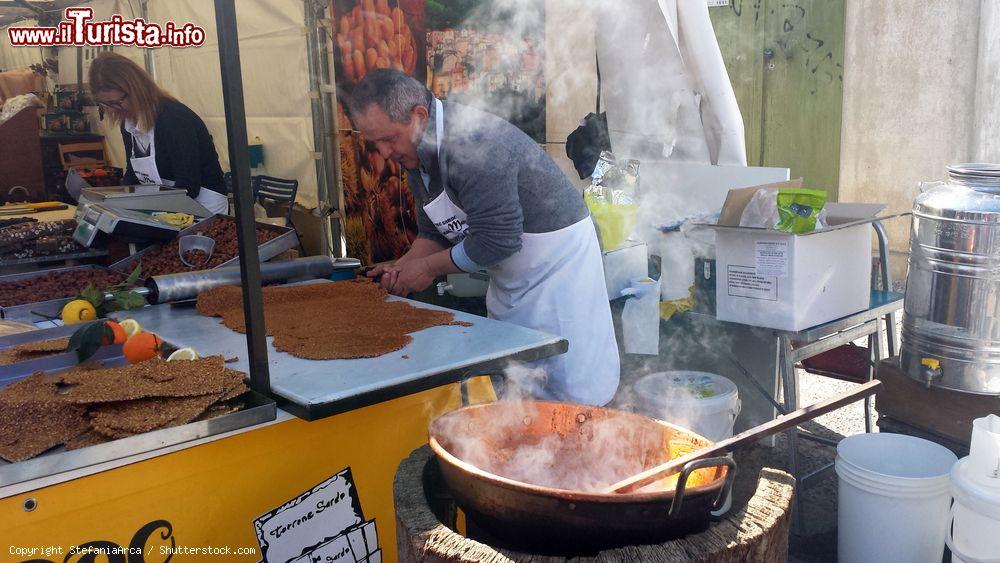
(148, 55)
(316, 101)
(324, 137)
(332, 142)
(79, 69)
(239, 163)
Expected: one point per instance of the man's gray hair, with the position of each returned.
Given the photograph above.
(396, 93)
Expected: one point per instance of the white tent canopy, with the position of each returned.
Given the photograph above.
(273, 54)
(23, 57)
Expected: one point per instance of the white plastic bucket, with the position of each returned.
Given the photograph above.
(705, 403)
(974, 536)
(984, 451)
(893, 498)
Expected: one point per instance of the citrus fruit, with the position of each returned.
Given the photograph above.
(117, 333)
(183, 354)
(131, 326)
(142, 346)
(78, 311)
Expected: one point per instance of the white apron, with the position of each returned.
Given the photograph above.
(554, 284)
(146, 173)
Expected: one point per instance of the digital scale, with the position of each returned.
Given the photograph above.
(126, 212)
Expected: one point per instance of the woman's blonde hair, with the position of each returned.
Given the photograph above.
(111, 71)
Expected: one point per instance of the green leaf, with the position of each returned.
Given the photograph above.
(132, 278)
(87, 340)
(124, 301)
(93, 295)
(74, 339)
(167, 348)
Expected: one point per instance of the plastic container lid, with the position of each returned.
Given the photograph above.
(981, 176)
(982, 499)
(687, 388)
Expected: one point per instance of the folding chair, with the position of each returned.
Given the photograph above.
(276, 190)
(280, 191)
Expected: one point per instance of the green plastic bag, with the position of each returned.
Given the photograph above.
(798, 209)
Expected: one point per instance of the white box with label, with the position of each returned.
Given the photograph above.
(787, 281)
(792, 282)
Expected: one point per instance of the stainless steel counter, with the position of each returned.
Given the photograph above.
(313, 389)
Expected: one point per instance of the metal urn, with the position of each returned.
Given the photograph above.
(951, 324)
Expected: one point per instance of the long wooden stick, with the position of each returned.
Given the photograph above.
(723, 447)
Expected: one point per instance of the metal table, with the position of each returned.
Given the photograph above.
(313, 389)
(761, 360)
(794, 347)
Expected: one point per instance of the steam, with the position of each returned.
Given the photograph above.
(566, 47)
(522, 382)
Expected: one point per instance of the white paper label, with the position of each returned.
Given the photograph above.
(771, 258)
(311, 519)
(743, 281)
(358, 544)
(717, 3)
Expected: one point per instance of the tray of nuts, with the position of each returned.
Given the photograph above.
(34, 296)
(162, 259)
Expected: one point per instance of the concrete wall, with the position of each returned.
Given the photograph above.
(986, 139)
(571, 76)
(921, 91)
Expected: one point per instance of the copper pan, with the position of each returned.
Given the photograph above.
(529, 475)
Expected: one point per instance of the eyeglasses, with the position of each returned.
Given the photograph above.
(114, 104)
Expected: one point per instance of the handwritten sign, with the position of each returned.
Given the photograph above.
(358, 545)
(314, 517)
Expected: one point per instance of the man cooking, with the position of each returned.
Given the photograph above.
(489, 198)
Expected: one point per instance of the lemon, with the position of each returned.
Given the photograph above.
(78, 311)
(131, 327)
(183, 354)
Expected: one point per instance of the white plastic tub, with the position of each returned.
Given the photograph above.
(975, 483)
(893, 498)
(705, 403)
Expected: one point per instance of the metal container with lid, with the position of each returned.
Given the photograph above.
(951, 325)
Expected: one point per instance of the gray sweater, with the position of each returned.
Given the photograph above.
(499, 176)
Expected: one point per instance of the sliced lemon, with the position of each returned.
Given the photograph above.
(131, 327)
(183, 354)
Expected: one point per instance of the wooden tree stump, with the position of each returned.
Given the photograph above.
(757, 533)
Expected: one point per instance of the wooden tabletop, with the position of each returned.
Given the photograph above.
(56, 215)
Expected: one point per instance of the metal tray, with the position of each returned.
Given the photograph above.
(288, 239)
(258, 409)
(52, 307)
(84, 254)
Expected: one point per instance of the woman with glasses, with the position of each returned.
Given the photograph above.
(165, 142)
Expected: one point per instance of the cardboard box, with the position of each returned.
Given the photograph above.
(790, 281)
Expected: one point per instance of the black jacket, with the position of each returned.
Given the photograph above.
(185, 152)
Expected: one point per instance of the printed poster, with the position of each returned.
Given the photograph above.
(379, 213)
(490, 54)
